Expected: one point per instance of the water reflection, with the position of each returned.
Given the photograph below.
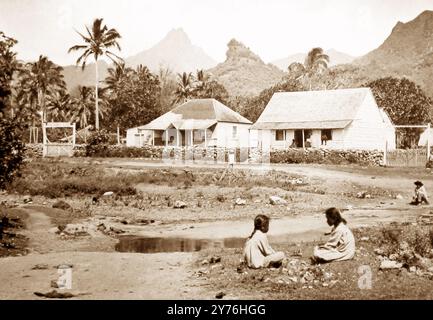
(153, 245)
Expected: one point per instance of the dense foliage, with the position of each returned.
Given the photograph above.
(11, 146)
(405, 103)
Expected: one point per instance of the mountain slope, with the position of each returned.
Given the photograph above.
(336, 58)
(174, 51)
(243, 73)
(407, 52)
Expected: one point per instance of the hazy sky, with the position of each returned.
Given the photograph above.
(271, 28)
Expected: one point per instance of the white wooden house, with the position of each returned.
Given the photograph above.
(339, 119)
(197, 122)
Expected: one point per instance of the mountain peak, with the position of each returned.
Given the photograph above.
(237, 51)
(177, 36)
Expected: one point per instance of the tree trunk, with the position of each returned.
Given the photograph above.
(96, 97)
(118, 135)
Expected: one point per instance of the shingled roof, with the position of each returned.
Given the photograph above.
(328, 109)
(196, 114)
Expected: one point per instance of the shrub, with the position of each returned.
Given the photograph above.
(97, 143)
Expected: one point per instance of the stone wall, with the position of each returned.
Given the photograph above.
(252, 155)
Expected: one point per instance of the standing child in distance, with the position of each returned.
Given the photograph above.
(257, 252)
(341, 244)
(420, 194)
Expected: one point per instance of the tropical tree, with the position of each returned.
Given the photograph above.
(134, 100)
(201, 79)
(59, 106)
(11, 145)
(41, 79)
(405, 103)
(82, 106)
(167, 82)
(116, 76)
(314, 66)
(98, 43)
(185, 87)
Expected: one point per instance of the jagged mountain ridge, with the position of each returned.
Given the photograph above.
(244, 73)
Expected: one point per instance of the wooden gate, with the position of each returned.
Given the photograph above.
(58, 149)
(407, 157)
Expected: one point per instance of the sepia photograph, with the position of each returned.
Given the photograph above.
(231, 151)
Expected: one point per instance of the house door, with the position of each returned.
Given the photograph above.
(299, 138)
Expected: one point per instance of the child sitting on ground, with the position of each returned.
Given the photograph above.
(257, 252)
(420, 194)
(341, 244)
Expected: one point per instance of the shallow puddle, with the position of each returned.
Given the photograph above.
(153, 245)
(142, 244)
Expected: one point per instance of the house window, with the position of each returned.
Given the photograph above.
(234, 132)
(326, 135)
(279, 135)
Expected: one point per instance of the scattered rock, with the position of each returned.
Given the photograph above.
(390, 264)
(41, 266)
(108, 194)
(364, 239)
(297, 253)
(379, 251)
(60, 204)
(75, 230)
(275, 200)
(215, 259)
(240, 202)
(54, 284)
(220, 295)
(116, 230)
(399, 196)
(55, 295)
(27, 199)
(179, 204)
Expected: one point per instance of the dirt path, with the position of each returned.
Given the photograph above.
(289, 229)
(332, 177)
(98, 275)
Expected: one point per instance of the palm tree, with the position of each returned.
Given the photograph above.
(43, 78)
(185, 87)
(82, 106)
(117, 75)
(201, 79)
(315, 63)
(59, 106)
(97, 43)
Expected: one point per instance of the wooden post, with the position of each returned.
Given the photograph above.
(205, 138)
(303, 139)
(178, 142)
(153, 137)
(118, 135)
(73, 135)
(44, 140)
(166, 137)
(192, 137)
(428, 141)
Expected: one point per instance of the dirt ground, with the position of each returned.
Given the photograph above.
(210, 213)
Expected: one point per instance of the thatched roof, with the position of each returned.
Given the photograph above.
(328, 109)
(195, 114)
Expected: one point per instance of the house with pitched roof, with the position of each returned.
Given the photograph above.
(197, 122)
(338, 119)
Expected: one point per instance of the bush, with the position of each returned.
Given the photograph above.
(97, 143)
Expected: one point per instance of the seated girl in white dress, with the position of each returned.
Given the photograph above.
(257, 251)
(341, 244)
